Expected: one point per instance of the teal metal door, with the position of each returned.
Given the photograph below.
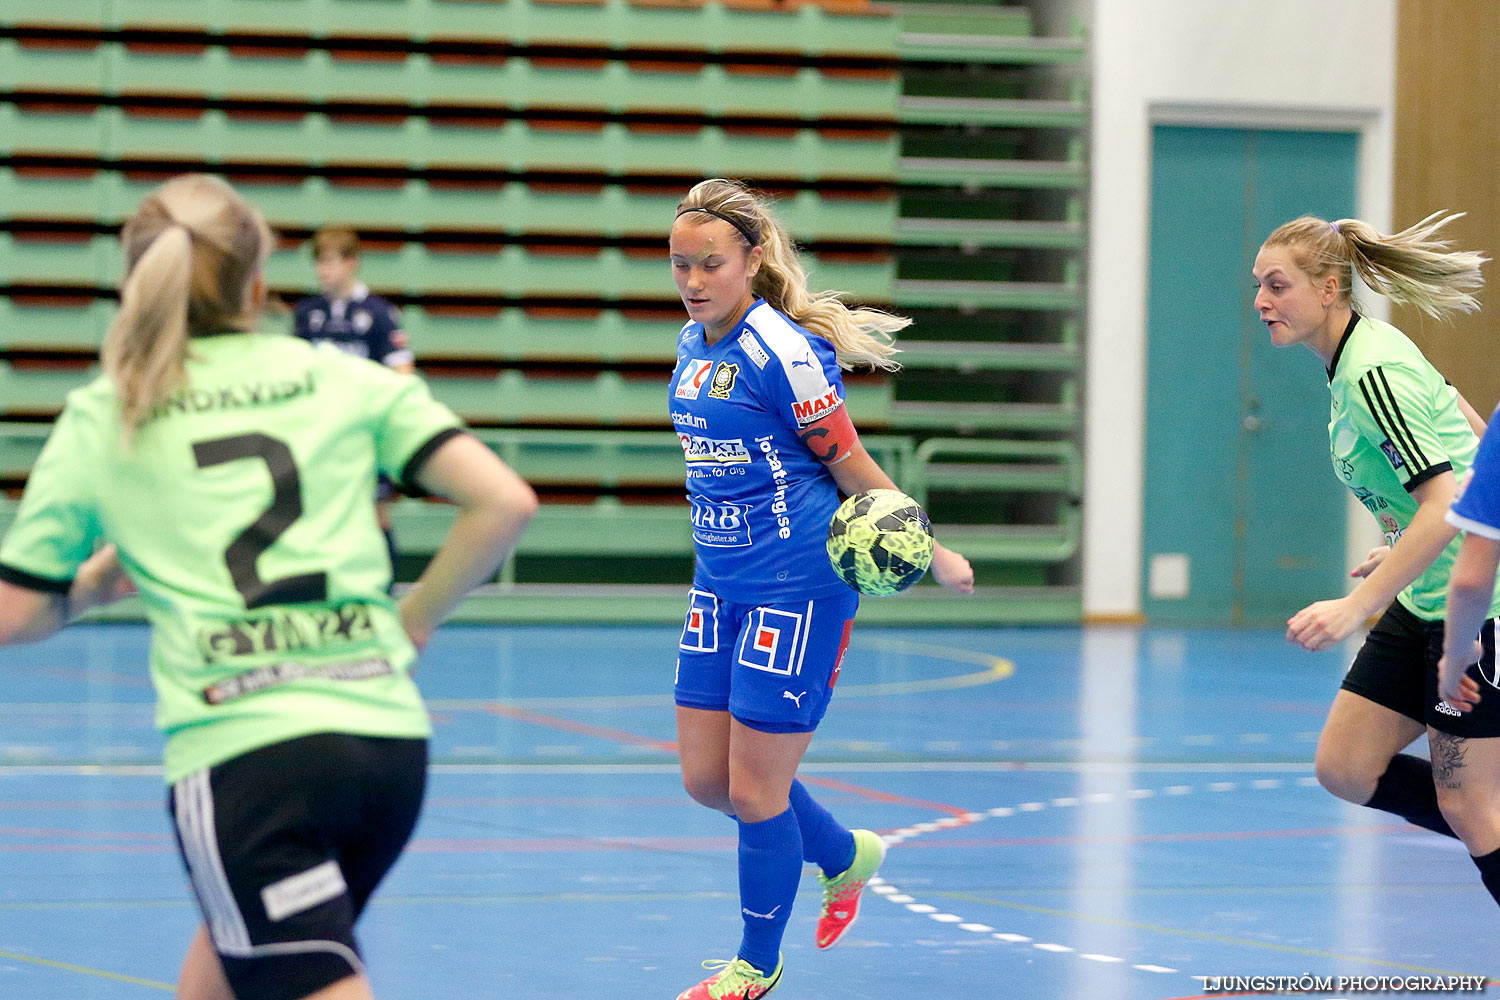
(1244, 521)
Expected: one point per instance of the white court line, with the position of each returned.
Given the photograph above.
(883, 888)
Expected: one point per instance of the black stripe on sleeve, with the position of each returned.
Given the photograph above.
(1379, 372)
(1380, 408)
(407, 481)
(31, 581)
(1426, 474)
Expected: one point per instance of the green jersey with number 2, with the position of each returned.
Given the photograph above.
(242, 510)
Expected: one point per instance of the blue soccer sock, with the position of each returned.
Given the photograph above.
(825, 842)
(770, 867)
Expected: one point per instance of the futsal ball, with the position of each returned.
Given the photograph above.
(880, 542)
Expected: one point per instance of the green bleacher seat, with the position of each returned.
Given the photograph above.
(813, 29)
(1042, 174)
(20, 444)
(33, 325)
(991, 355)
(1041, 295)
(615, 148)
(994, 112)
(605, 399)
(515, 335)
(418, 79)
(1041, 543)
(28, 260)
(996, 466)
(1022, 233)
(930, 44)
(608, 272)
(39, 389)
(414, 204)
(973, 18)
(599, 460)
(605, 529)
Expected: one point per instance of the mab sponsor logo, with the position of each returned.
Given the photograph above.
(693, 377)
(702, 449)
(720, 525)
(809, 411)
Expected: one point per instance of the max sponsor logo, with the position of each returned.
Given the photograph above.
(701, 449)
(811, 410)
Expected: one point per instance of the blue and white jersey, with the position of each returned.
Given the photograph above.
(1476, 509)
(761, 500)
(364, 325)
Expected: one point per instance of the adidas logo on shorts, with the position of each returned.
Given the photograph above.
(1448, 709)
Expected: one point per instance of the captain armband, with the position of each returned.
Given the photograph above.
(832, 438)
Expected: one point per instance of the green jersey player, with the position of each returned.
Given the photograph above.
(227, 476)
(1400, 438)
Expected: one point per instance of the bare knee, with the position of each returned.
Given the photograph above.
(1349, 777)
(708, 789)
(1472, 815)
(1466, 794)
(754, 802)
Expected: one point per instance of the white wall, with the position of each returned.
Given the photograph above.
(1283, 63)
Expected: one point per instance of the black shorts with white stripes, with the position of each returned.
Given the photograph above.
(1397, 668)
(284, 846)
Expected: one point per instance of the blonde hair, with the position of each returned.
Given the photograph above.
(339, 240)
(1410, 267)
(860, 336)
(191, 250)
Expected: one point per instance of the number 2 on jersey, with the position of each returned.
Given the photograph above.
(286, 507)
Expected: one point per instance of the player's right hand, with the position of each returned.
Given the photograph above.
(1372, 559)
(1455, 686)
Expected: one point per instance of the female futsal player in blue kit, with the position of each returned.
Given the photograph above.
(758, 402)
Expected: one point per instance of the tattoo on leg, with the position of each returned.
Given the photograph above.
(1447, 758)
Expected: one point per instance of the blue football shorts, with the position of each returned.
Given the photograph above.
(771, 666)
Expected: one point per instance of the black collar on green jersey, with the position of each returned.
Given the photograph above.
(1333, 365)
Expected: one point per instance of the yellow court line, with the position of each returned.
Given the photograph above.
(1202, 935)
(64, 966)
(996, 668)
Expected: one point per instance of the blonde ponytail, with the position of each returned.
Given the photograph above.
(1411, 267)
(146, 346)
(860, 336)
(192, 250)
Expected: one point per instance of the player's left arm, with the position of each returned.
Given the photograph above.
(835, 443)
(1471, 591)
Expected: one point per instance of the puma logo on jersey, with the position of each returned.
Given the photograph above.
(796, 699)
(805, 362)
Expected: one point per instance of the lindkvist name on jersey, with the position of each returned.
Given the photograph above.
(237, 396)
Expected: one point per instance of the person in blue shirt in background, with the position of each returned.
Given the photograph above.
(1463, 676)
(757, 399)
(348, 315)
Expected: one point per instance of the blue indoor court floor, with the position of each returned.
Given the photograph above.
(1074, 813)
